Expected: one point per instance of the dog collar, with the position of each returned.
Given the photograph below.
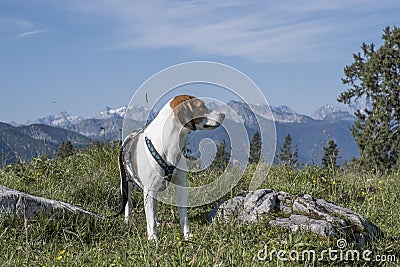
(167, 168)
(191, 125)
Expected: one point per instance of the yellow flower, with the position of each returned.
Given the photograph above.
(333, 182)
(380, 182)
(363, 193)
(380, 188)
(62, 252)
(59, 258)
(37, 173)
(178, 236)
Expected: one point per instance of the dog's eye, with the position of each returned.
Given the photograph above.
(198, 120)
(204, 108)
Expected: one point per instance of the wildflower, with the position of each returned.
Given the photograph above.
(333, 182)
(59, 258)
(380, 188)
(178, 237)
(380, 182)
(38, 173)
(62, 252)
(363, 193)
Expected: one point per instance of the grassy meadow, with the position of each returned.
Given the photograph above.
(90, 179)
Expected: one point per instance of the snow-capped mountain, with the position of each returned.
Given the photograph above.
(137, 113)
(237, 111)
(109, 113)
(280, 114)
(58, 120)
(242, 112)
(283, 108)
(330, 112)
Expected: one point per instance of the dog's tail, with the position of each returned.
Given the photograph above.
(124, 181)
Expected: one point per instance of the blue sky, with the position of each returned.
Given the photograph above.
(81, 56)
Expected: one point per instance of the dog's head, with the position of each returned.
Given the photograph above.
(193, 114)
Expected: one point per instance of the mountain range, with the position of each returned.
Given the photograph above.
(21, 143)
(309, 133)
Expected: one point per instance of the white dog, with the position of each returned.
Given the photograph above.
(149, 157)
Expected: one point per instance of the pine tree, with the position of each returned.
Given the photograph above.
(331, 155)
(222, 157)
(66, 149)
(255, 148)
(288, 153)
(375, 76)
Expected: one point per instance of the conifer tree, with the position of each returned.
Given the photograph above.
(375, 76)
(255, 148)
(222, 157)
(331, 155)
(66, 149)
(288, 153)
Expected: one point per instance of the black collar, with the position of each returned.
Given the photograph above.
(191, 125)
(167, 168)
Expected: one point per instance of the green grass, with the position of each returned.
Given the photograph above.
(90, 180)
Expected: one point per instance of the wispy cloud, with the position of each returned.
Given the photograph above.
(268, 31)
(11, 28)
(30, 33)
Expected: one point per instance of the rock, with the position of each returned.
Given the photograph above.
(297, 213)
(16, 203)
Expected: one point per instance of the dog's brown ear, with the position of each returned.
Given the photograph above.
(182, 107)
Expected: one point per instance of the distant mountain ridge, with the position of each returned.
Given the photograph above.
(58, 120)
(330, 112)
(308, 132)
(22, 143)
(280, 114)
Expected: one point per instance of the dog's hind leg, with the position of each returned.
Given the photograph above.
(181, 202)
(128, 205)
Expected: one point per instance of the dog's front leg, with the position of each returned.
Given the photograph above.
(150, 207)
(184, 222)
(181, 202)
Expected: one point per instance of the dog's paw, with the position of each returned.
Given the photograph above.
(187, 236)
(153, 238)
